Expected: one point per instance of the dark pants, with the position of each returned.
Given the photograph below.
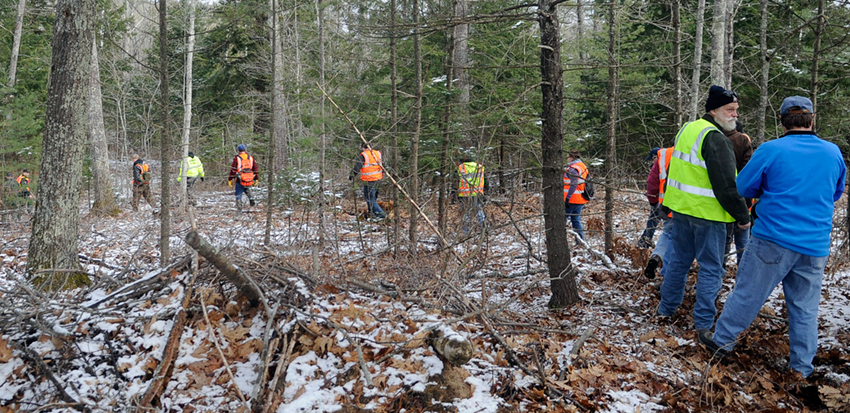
(574, 216)
(142, 191)
(655, 216)
(370, 193)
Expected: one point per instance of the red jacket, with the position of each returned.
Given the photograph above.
(653, 183)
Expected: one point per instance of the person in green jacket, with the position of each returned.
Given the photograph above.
(194, 171)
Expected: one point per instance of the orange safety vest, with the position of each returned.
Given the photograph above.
(21, 177)
(371, 169)
(664, 156)
(471, 179)
(582, 175)
(144, 173)
(245, 168)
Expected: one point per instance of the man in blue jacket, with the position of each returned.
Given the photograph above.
(789, 244)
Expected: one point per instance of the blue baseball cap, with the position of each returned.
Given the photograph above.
(652, 153)
(796, 104)
(241, 147)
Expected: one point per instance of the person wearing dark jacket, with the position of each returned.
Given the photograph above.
(141, 183)
(702, 194)
(743, 147)
(655, 215)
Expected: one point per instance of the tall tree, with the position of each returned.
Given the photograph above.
(320, 31)
(394, 120)
(561, 271)
(16, 42)
(187, 101)
(765, 73)
(718, 44)
(414, 137)
(613, 102)
(697, 74)
(460, 61)
(53, 243)
(274, 42)
(165, 140)
(816, 57)
(676, 23)
(104, 198)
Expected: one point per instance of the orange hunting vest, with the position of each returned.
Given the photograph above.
(582, 175)
(245, 169)
(371, 169)
(664, 156)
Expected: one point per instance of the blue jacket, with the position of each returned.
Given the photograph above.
(798, 178)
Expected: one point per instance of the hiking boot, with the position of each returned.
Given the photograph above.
(251, 202)
(654, 262)
(238, 205)
(706, 339)
(662, 317)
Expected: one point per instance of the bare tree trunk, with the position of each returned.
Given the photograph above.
(320, 18)
(394, 120)
(187, 103)
(104, 198)
(613, 97)
(718, 44)
(561, 271)
(414, 139)
(765, 74)
(442, 197)
(580, 34)
(460, 60)
(278, 105)
(165, 140)
(53, 243)
(730, 42)
(16, 42)
(273, 112)
(677, 62)
(700, 20)
(816, 51)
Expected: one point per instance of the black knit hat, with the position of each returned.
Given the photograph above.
(718, 96)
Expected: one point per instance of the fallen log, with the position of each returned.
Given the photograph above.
(230, 271)
(454, 348)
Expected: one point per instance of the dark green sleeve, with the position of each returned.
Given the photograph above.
(720, 163)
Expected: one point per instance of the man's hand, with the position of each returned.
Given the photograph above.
(744, 226)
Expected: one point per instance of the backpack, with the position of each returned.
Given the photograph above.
(588, 188)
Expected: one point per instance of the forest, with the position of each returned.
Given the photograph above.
(303, 300)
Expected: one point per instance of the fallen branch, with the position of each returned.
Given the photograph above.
(605, 259)
(230, 271)
(169, 355)
(221, 355)
(282, 365)
(42, 367)
(367, 375)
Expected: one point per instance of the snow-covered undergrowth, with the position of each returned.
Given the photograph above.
(348, 323)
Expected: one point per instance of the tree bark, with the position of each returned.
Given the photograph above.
(816, 50)
(765, 75)
(718, 44)
(414, 138)
(16, 42)
(187, 102)
(165, 140)
(677, 62)
(104, 198)
(274, 101)
(729, 59)
(320, 29)
(611, 161)
(459, 63)
(53, 243)
(394, 121)
(561, 271)
(700, 23)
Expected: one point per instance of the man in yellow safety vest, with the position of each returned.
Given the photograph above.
(194, 171)
(470, 191)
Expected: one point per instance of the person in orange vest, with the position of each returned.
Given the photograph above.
(141, 183)
(645, 240)
(371, 172)
(24, 184)
(243, 176)
(655, 193)
(470, 192)
(574, 178)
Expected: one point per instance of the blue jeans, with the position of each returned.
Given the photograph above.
(471, 205)
(763, 266)
(655, 217)
(370, 192)
(740, 236)
(704, 240)
(574, 215)
(239, 190)
(664, 240)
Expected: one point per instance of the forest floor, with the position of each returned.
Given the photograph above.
(350, 325)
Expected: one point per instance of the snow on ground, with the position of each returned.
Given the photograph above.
(103, 345)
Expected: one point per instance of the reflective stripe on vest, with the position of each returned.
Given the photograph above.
(371, 169)
(246, 162)
(689, 189)
(664, 156)
(194, 167)
(471, 179)
(582, 175)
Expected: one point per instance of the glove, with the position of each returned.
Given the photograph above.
(230, 182)
(202, 179)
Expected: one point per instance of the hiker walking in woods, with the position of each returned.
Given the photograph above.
(701, 192)
(470, 192)
(574, 184)
(24, 185)
(371, 172)
(743, 147)
(243, 171)
(791, 238)
(645, 240)
(141, 183)
(655, 192)
(194, 171)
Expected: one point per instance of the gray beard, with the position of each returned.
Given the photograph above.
(727, 125)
